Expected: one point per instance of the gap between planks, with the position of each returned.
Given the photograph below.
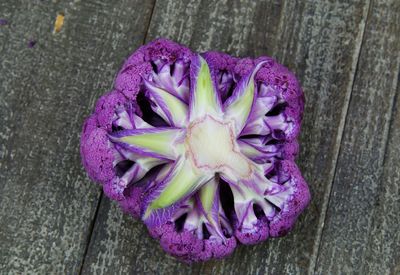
(93, 222)
(387, 135)
(89, 237)
(149, 22)
(389, 129)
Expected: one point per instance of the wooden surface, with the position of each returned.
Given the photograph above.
(347, 57)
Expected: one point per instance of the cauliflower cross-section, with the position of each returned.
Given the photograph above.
(201, 148)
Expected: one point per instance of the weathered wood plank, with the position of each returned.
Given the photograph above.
(320, 42)
(46, 202)
(383, 247)
(357, 219)
(121, 245)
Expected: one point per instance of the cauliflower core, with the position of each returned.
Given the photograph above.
(200, 147)
(218, 156)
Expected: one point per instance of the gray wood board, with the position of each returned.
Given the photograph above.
(320, 41)
(47, 204)
(382, 252)
(363, 215)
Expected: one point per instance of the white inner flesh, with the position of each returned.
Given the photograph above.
(212, 148)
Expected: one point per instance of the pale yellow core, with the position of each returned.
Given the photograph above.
(212, 147)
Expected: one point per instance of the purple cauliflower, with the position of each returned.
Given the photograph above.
(200, 147)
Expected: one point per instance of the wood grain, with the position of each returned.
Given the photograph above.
(346, 55)
(320, 42)
(363, 218)
(47, 204)
(121, 245)
(382, 250)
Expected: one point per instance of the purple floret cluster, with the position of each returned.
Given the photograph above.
(157, 144)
